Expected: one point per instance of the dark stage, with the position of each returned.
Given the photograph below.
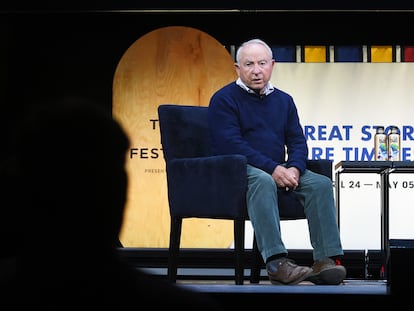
(76, 50)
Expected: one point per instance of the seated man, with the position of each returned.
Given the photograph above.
(253, 118)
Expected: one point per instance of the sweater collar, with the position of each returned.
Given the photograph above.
(269, 88)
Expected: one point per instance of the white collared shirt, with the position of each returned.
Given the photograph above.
(269, 88)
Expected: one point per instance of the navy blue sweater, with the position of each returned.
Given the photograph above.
(266, 129)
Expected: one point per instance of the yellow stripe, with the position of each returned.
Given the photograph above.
(381, 54)
(315, 54)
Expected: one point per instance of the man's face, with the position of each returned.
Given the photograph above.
(255, 66)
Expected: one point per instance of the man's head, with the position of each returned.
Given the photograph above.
(254, 64)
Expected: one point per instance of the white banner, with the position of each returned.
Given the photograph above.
(339, 105)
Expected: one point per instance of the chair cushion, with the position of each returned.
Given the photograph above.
(191, 193)
(289, 205)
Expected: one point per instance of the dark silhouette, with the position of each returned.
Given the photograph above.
(67, 187)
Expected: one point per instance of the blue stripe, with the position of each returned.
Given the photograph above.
(284, 53)
(348, 53)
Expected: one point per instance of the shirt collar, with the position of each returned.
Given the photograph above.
(269, 88)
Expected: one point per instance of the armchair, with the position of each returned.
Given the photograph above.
(201, 185)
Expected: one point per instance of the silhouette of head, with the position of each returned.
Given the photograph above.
(70, 160)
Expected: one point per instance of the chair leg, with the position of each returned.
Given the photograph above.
(239, 229)
(257, 262)
(174, 248)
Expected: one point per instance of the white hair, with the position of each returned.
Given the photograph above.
(253, 41)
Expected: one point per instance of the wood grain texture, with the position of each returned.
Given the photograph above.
(178, 65)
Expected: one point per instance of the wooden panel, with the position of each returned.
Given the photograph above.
(179, 65)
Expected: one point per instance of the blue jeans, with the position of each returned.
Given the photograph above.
(315, 192)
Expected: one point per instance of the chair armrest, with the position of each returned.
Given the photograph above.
(190, 180)
(321, 166)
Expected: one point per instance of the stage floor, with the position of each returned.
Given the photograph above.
(221, 281)
(351, 287)
(349, 295)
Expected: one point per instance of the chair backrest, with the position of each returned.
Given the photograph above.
(321, 166)
(191, 138)
(192, 170)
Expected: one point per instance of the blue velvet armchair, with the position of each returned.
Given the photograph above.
(201, 185)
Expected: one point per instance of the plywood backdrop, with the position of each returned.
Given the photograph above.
(173, 65)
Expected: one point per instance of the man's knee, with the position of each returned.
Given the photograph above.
(323, 182)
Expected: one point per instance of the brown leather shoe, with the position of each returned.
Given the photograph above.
(327, 272)
(284, 271)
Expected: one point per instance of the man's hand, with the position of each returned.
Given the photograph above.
(287, 178)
